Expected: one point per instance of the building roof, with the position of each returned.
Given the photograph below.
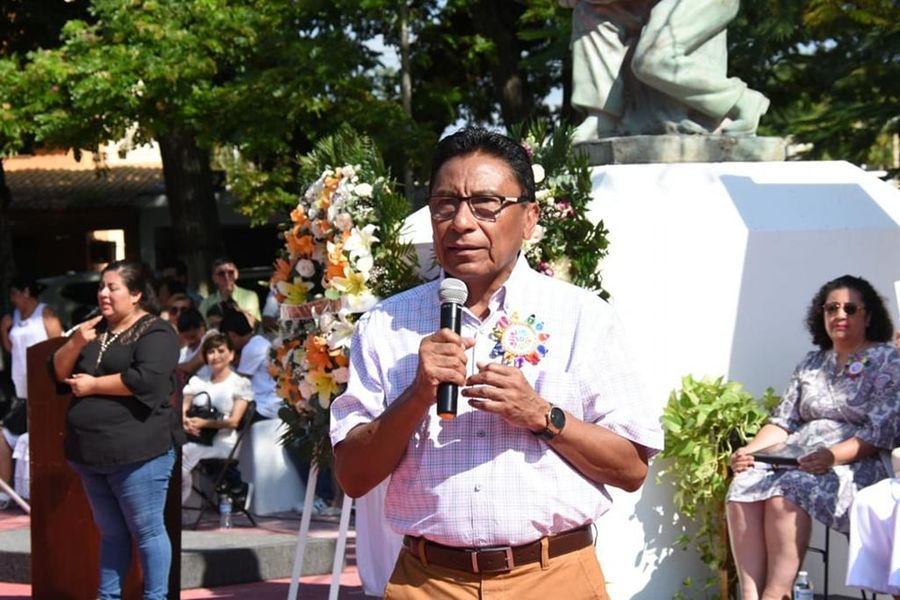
(58, 182)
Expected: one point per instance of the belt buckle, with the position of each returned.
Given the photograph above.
(507, 550)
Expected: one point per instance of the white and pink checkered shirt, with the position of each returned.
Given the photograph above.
(475, 480)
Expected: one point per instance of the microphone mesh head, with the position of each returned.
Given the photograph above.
(453, 290)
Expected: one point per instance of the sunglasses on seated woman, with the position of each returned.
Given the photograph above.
(850, 308)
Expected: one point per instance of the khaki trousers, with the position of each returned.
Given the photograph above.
(573, 576)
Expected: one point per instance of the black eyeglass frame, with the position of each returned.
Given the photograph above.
(850, 308)
(504, 202)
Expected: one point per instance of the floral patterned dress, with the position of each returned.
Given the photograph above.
(822, 407)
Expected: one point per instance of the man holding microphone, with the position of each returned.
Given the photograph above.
(498, 501)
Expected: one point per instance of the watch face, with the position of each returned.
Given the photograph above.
(557, 417)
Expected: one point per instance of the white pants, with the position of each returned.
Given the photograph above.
(191, 455)
(874, 559)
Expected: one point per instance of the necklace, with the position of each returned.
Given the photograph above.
(106, 341)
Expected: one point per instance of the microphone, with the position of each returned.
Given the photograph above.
(94, 312)
(453, 294)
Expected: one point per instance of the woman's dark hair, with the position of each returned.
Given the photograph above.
(22, 283)
(214, 341)
(879, 328)
(138, 278)
(473, 140)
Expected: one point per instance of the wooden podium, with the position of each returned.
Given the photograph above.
(65, 543)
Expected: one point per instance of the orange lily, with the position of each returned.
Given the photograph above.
(298, 216)
(282, 271)
(300, 246)
(317, 352)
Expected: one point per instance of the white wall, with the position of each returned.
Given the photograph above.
(711, 268)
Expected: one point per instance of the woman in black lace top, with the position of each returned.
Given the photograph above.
(119, 427)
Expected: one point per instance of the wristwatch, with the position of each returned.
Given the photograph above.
(556, 420)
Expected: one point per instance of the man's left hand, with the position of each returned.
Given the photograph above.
(503, 390)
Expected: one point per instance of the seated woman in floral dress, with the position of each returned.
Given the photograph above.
(842, 404)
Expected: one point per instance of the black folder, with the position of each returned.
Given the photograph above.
(781, 454)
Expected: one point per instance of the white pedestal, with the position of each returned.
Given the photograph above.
(711, 269)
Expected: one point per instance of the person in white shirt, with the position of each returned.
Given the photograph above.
(30, 323)
(224, 390)
(253, 362)
(192, 332)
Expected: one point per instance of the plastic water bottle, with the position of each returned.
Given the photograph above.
(224, 511)
(803, 589)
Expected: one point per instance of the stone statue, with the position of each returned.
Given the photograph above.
(650, 67)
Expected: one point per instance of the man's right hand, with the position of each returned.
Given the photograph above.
(442, 359)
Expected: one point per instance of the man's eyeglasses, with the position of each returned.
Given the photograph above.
(176, 308)
(226, 273)
(850, 308)
(484, 207)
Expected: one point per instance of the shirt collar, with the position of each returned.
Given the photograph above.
(512, 290)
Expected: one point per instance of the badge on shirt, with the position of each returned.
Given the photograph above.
(519, 341)
(855, 367)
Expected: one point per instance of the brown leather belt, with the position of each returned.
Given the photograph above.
(497, 559)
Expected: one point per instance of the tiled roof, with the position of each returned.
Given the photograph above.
(58, 189)
(58, 181)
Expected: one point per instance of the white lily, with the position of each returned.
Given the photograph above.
(360, 241)
(363, 190)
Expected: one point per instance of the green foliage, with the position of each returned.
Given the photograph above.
(705, 421)
(832, 70)
(568, 245)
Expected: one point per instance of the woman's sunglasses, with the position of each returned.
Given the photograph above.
(850, 308)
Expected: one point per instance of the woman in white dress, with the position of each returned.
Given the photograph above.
(227, 392)
(30, 323)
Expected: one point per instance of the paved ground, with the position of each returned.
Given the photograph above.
(313, 587)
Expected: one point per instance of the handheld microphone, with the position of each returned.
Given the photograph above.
(453, 294)
(94, 312)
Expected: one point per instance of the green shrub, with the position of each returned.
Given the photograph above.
(705, 421)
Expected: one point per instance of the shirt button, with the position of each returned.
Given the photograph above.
(477, 487)
(481, 434)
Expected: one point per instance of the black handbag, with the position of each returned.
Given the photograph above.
(16, 418)
(203, 411)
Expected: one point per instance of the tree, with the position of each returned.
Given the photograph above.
(831, 68)
(24, 26)
(260, 79)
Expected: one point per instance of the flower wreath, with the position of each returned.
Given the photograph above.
(342, 252)
(565, 244)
